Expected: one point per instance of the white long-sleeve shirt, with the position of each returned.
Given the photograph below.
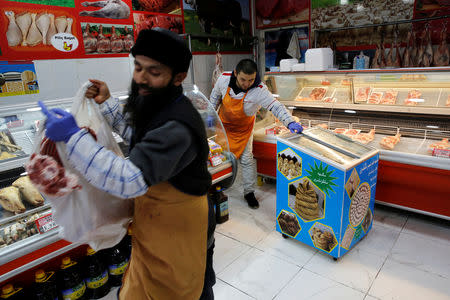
(256, 98)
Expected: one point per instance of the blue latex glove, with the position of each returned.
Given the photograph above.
(295, 127)
(60, 125)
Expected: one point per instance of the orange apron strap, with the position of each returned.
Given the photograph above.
(238, 126)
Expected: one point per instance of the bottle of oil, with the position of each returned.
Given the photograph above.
(96, 276)
(221, 205)
(11, 293)
(71, 282)
(117, 265)
(44, 287)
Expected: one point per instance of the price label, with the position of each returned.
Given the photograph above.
(45, 223)
(441, 153)
(215, 160)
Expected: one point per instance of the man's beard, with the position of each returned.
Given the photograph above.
(142, 107)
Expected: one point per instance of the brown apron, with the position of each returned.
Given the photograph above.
(168, 258)
(238, 126)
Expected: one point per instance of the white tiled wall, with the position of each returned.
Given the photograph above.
(60, 79)
(204, 66)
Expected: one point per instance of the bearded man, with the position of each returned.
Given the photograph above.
(166, 172)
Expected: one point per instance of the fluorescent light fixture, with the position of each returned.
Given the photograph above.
(291, 107)
(34, 109)
(349, 111)
(417, 100)
(432, 126)
(123, 97)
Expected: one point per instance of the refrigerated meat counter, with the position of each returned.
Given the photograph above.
(405, 113)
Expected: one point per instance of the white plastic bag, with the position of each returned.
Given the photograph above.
(87, 214)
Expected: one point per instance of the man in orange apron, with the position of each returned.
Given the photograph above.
(240, 94)
(166, 172)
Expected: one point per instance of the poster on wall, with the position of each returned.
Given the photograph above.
(107, 38)
(148, 21)
(52, 29)
(217, 24)
(277, 43)
(158, 6)
(18, 79)
(336, 13)
(272, 13)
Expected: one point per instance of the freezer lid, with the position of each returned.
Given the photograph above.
(340, 141)
(338, 148)
(320, 149)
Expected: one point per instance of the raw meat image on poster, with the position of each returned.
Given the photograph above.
(288, 223)
(107, 38)
(278, 12)
(108, 9)
(306, 199)
(159, 6)
(146, 21)
(64, 3)
(29, 31)
(323, 237)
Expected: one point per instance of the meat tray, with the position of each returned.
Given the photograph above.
(304, 94)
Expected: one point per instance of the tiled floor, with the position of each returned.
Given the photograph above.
(405, 256)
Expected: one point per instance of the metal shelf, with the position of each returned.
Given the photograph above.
(369, 107)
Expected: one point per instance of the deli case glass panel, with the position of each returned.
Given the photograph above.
(397, 111)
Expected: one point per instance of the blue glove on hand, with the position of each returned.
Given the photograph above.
(60, 125)
(295, 127)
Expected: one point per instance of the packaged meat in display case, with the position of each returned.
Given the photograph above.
(325, 189)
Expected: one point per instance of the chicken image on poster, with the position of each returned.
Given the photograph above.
(107, 38)
(29, 30)
(158, 6)
(145, 21)
(108, 9)
(278, 12)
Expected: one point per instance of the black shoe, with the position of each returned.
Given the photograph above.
(251, 200)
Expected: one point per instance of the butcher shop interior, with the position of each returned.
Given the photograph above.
(345, 155)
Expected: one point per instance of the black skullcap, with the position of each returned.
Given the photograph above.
(165, 47)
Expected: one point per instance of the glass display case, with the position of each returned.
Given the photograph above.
(222, 163)
(405, 113)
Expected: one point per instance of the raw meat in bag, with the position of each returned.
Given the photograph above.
(84, 213)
